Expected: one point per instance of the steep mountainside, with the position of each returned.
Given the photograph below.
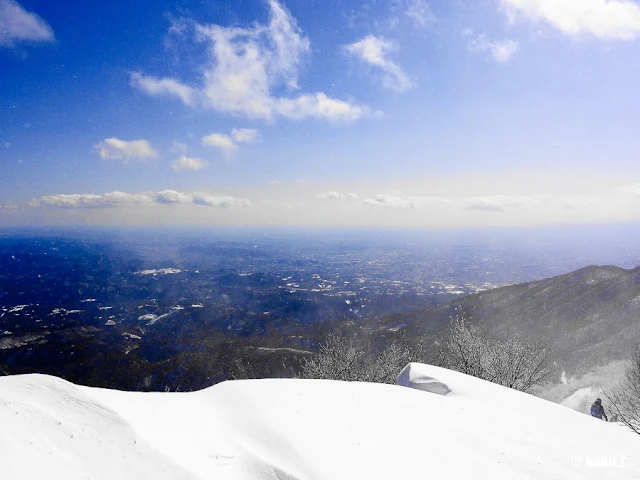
(590, 317)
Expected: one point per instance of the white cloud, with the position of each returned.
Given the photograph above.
(375, 51)
(246, 65)
(320, 106)
(187, 163)
(396, 201)
(389, 201)
(611, 19)
(495, 203)
(487, 203)
(86, 200)
(245, 135)
(172, 197)
(121, 199)
(228, 143)
(500, 51)
(18, 25)
(221, 141)
(420, 12)
(116, 149)
(164, 87)
(73, 200)
(333, 195)
(221, 201)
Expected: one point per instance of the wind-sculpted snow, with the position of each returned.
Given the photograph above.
(415, 375)
(53, 429)
(304, 429)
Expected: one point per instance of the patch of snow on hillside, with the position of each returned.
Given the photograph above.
(148, 317)
(160, 271)
(131, 336)
(17, 308)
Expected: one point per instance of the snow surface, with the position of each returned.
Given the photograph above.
(280, 429)
(416, 375)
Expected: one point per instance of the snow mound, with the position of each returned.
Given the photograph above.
(52, 429)
(415, 375)
(303, 430)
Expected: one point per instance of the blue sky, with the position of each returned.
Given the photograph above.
(418, 113)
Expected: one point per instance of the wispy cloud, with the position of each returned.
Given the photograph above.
(220, 141)
(17, 25)
(229, 143)
(245, 135)
(501, 51)
(398, 201)
(164, 87)
(121, 199)
(333, 195)
(116, 149)
(496, 203)
(375, 51)
(187, 163)
(610, 19)
(221, 201)
(420, 12)
(486, 203)
(245, 66)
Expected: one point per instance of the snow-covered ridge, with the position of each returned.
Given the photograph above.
(304, 429)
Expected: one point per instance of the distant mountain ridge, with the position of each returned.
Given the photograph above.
(590, 317)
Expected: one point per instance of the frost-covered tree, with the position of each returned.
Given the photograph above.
(345, 359)
(624, 401)
(512, 362)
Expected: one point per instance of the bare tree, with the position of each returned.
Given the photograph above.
(624, 401)
(343, 359)
(513, 362)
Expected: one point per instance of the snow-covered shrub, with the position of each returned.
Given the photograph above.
(624, 401)
(512, 362)
(344, 359)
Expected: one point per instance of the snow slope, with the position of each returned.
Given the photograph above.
(303, 429)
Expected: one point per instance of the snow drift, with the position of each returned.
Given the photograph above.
(303, 429)
(416, 375)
